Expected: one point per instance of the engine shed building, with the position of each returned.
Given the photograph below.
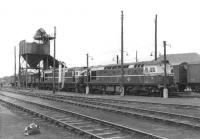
(176, 59)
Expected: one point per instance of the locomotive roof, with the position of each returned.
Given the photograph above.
(137, 63)
(77, 68)
(126, 65)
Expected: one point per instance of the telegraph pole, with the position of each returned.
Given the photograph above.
(87, 86)
(19, 74)
(136, 59)
(165, 90)
(54, 56)
(122, 56)
(26, 71)
(15, 66)
(156, 38)
(117, 59)
(87, 60)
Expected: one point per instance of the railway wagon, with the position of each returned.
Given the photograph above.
(147, 77)
(193, 76)
(180, 76)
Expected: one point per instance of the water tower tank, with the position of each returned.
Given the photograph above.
(33, 52)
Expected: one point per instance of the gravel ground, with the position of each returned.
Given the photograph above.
(149, 126)
(12, 126)
(182, 101)
(195, 101)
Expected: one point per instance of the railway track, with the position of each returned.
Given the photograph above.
(128, 102)
(165, 117)
(108, 100)
(47, 128)
(82, 124)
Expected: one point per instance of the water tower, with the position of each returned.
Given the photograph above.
(34, 57)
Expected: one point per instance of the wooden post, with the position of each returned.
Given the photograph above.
(156, 38)
(122, 56)
(19, 74)
(87, 86)
(26, 71)
(15, 67)
(117, 59)
(54, 56)
(165, 90)
(136, 59)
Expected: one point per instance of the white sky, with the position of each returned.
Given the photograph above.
(93, 26)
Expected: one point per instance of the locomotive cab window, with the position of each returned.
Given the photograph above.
(172, 70)
(93, 74)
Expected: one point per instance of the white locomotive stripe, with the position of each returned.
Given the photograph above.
(116, 76)
(68, 77)
(57, 77)
(129, 76)
(50, 77)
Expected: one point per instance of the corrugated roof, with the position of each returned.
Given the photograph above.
(176, 59)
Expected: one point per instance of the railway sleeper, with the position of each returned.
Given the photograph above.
(155, 118)
(105, 123)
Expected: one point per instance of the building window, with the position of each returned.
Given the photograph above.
(146, 69)
(152, 69)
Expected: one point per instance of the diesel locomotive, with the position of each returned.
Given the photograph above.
(141, 77)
